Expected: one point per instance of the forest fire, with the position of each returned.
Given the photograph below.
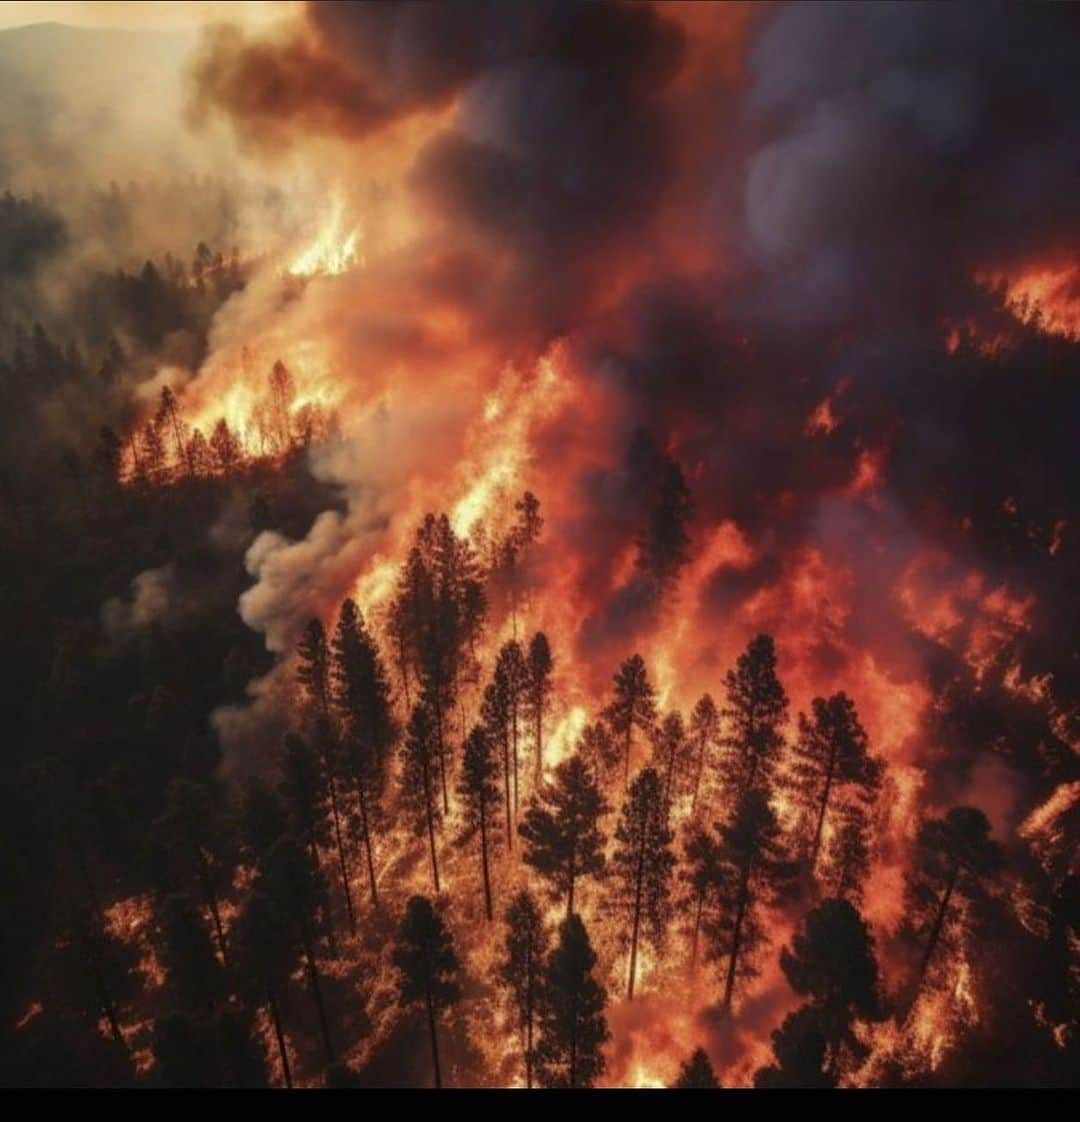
(563, 587)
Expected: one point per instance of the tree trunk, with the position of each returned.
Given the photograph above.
(434, 1039)
(530, 986)
(506, 780)
(736, 941)
(819, 829)
(539, 739)
(637, 914)
(514, 742)
(939, 924)
(572, 871)
(698, 772)
(212, 903)
(316, 993)
(626, 765)
(484, 856)
(283, 1052)
(430, 810)
(366, 832)
(698, 909)
(439, 742)
(341, 851)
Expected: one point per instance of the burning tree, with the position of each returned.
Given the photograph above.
(573, 1029)
(521, 969)
(479, 796)
(427, 968)
(753, 872)
(641, 868)
(563, 841)
(633, 706)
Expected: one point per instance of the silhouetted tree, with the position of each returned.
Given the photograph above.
(266, 957)
(512, 668)
(427, 968)
(756, 711)
(600, 751)
(193, 973)
(495, 717)
(952, 854)
(832, 763)
(799, 1046)
(224, 447)
(537, 694)
(642, 866)
(521, 969)
(479, 794)
(418, 780)
(669, 756)
(696, 1074)
(188, 831)
(704, 733)
(832, 962)
(301, 792)
(263, 818)
(572, 1026)
(561, 830)
(290, 880)
(633, 706)
(701, 877)
(362, 697)
(753, 872)
(314, 673)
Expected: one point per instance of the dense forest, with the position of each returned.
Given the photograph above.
(474, 661)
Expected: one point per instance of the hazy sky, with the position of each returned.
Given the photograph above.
(163, 15)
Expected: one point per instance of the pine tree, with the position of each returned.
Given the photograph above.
(225, 448)
(514, 672)
(192, 970)
(479, 794)
(168, 419)
(427, 968)
(263, 819)
(521, 969)
(704, 734)
(540, 666)
(315, 677)
(701, 879)
(669, 756)
(266, 958)
(754, 872)
(563, 842)
(634, 706)
(495, 717)
(599, 751)
(832, 962)
(697, 1074)
(756, 711)
(799, 1046)
(573, 1029)
(953, 855)
(301, 792)
(290, 880)
(362, 697)
(642, 866)
(418, 780)
(188, 831)
(832, 765)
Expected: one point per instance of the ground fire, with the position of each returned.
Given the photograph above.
(540, 547)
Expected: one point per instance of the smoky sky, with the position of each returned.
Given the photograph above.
(806, 232)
